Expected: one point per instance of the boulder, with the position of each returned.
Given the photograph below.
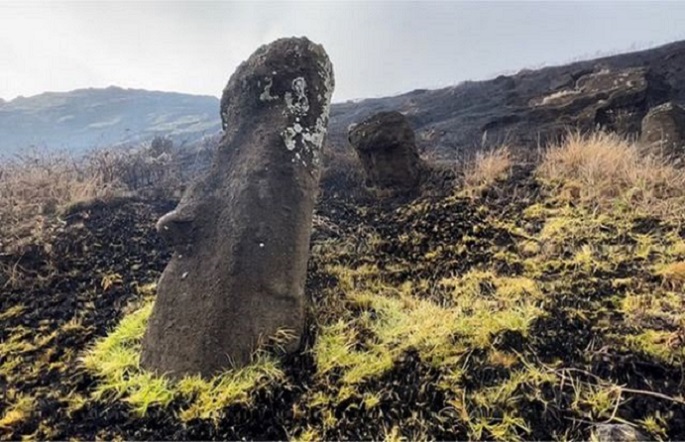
(386, 146)
(241, 234)
(663, 130)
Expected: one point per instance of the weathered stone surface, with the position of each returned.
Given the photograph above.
(614, 100)
(618, 433)
(386, 146)
(241, 234)
(663, 130)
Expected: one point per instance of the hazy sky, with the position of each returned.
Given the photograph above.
(377, 48)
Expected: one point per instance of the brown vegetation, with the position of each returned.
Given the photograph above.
(604, 170)
(486, 168)
(34, 187)
(38, 187)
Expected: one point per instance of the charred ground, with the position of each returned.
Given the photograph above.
(511, 313)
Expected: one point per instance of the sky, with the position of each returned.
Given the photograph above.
(378, 48)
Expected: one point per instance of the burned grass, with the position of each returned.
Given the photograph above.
(70, 293)
(507, 314)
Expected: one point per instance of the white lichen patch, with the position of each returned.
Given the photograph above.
(309, 139)
(296, 101)
(266, 94)
(289, 135)
(317, 135)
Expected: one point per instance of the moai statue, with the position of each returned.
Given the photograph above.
(663, 130)
(386, 146)
(241, 234)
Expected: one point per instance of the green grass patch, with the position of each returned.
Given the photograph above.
(116, 360)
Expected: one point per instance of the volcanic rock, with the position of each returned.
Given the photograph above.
(615, 100)
(618, 433)
(241, 234)
(472, 115)
(663, 130)
(386, 146)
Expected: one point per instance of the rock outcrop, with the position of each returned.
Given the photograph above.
(663, 130)
(459, 119)
(386, 146)
(241, 234)
(613, 100)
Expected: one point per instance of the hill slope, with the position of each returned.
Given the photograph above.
(524, 109)
(507, 108)
(87, 118)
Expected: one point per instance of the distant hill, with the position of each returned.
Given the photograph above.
(524, 109)
(87, 118)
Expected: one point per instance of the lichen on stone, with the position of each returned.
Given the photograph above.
(316, 137)
(289, 135)
(297, 101)
(266, 94)
(297, 105)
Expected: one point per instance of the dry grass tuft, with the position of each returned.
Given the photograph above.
(36, 186)
(486, 169)
(603, 170)
(673, 274)
(18, 410)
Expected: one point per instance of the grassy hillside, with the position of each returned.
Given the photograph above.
(522, 301)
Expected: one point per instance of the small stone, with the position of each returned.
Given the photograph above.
(617, 433)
